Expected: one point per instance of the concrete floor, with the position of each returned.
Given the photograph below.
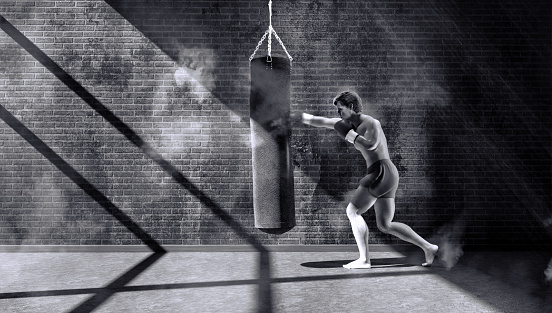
(233, 281)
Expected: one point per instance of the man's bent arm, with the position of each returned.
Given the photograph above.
(371, 138)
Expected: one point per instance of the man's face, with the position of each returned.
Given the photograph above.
(344, 112)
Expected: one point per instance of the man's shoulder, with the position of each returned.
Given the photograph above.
(367, 119)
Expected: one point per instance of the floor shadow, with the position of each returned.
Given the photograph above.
(385, 262)
(106, 292)
(119, 285)
(100, 294)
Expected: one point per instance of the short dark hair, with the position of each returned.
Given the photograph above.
(349, 99)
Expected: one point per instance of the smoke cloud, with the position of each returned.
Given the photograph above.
(450, 243)
(548, 272)
(195, 69)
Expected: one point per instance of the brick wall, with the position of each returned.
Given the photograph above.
(123, 118)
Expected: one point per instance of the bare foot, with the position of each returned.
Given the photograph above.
(430, 255)
(357, 264)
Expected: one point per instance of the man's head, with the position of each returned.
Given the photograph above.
(349, 99)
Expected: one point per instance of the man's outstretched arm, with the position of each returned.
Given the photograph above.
(316, 121)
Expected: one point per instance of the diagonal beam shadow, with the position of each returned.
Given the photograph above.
(104, 293)
(265, 291)
(116, 286)
(78, 179)
(126, 130)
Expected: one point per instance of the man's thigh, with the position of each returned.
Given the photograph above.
(363, 199)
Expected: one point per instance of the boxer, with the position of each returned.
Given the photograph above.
(376, 189)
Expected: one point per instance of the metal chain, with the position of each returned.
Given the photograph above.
(269, 32)
(258, 45)
(284, 47)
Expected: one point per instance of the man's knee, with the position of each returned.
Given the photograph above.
(352, 211)
(384, 227)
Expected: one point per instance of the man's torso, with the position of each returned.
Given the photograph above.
(380, 152)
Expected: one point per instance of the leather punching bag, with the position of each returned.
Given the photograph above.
(273, 190)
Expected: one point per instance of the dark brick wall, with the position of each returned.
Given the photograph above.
(139, 110)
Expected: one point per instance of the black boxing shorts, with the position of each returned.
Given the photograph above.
(382, 179)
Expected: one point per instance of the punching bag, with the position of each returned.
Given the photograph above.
(273, 192)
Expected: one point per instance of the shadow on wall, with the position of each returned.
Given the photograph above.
(264, 285)
(121, 127)
(202, 41)
(492, 165)
(78, 179)
(195, 38)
